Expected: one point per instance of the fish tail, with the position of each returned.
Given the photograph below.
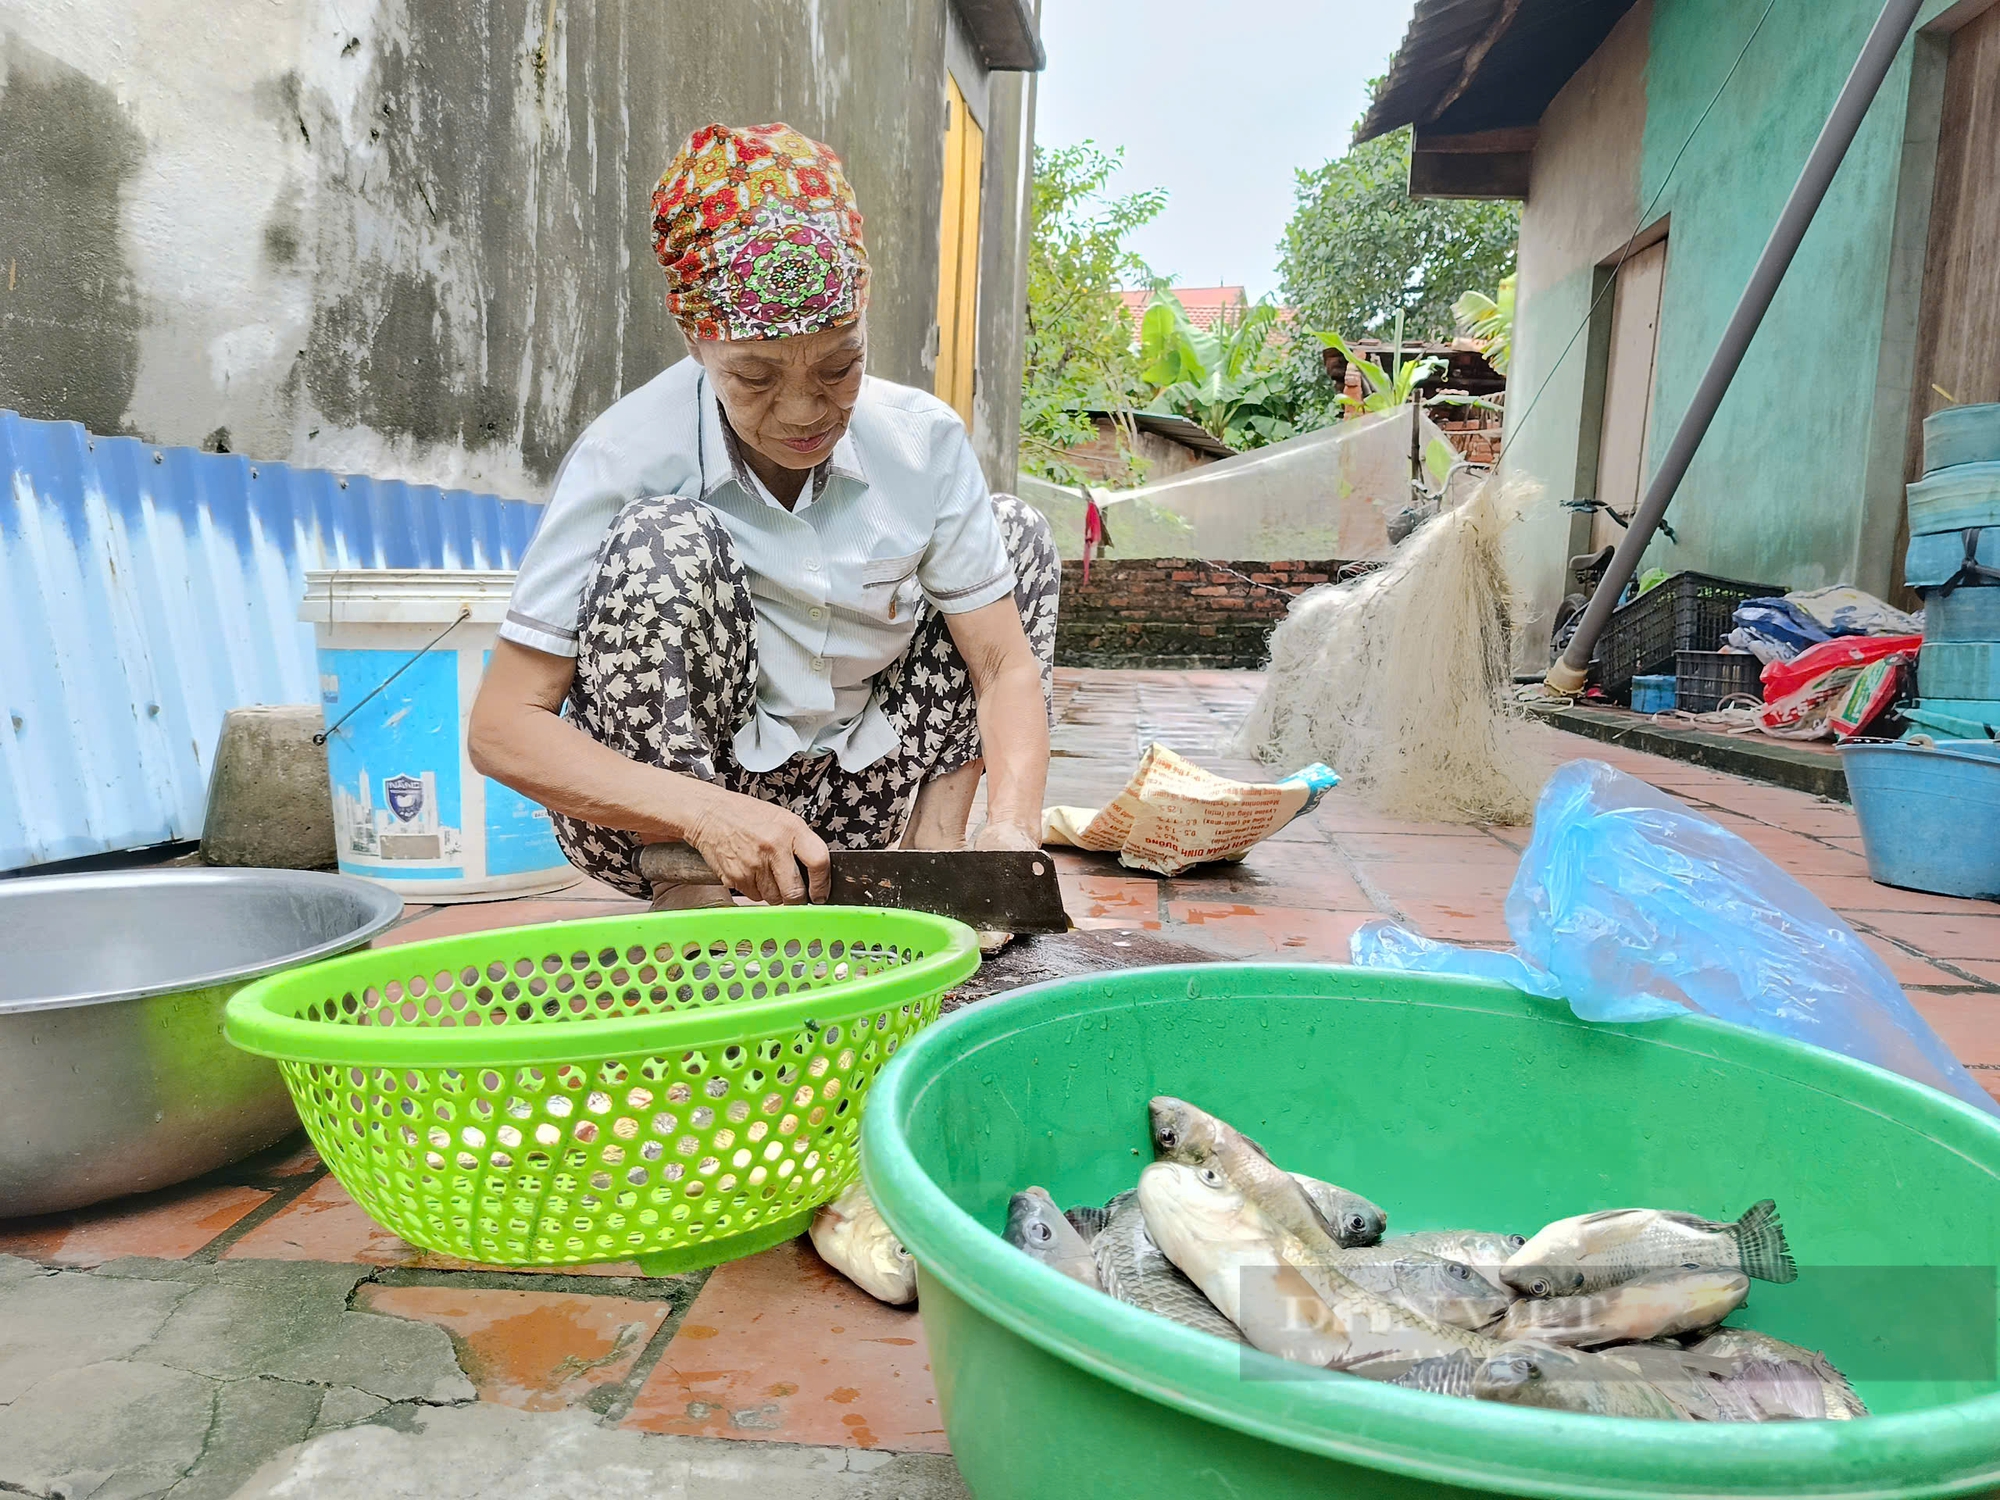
(1760, 1240)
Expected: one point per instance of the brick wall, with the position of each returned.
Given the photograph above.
(1177, 612)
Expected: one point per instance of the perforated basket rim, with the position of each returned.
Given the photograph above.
(254, 1021)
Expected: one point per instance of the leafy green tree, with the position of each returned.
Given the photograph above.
(1079, 340)
(1359, 250)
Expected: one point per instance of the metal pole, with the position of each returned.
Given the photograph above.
(1877, 55)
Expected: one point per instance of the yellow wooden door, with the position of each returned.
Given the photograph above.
(958, 253)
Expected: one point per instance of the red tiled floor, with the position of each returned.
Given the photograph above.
(1905, 967)
(779, 1348)
(538, 1351)
(1857, 893)
(1119, 898)
(324, 1223)
(168, 1225)
(485, 916)
(1948, 937)
(1277, 932)
(1968, 1021)
(1470, 847)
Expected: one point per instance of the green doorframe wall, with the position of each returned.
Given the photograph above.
(1800, 478)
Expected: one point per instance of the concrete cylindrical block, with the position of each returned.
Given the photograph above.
(270, 804)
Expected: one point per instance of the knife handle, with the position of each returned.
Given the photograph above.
(676, 864)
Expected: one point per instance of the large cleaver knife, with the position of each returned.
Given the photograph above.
(1000, 890)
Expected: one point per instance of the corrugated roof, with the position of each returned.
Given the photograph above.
(145, 591)
(1467, 66)
(1188, 434)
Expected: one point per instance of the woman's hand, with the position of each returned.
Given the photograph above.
(1005, 836)
(756, 848)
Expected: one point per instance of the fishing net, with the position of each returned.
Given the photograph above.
(1400, 678)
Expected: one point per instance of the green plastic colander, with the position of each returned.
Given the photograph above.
(680, 1088)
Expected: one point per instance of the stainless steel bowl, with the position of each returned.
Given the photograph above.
(114, 1075)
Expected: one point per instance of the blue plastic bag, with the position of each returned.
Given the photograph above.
(1632, 908)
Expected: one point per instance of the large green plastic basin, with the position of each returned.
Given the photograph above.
(1451, 1103)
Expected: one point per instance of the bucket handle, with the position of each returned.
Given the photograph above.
(464, 614)
(1970, 570)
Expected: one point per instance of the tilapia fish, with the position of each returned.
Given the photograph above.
(1445, 1291)
(1276, 1289)
(1526, 1374)
(1131, 1268)
(1480, 1249)
(1780, 1379)
(1647, 1307)
(1036, 1226)
(850, 1236)
(1442, 1374)
(1595, 1251)
(1194, 1138)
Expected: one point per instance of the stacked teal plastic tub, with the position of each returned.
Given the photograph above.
(1930, 810)
(1954, 562)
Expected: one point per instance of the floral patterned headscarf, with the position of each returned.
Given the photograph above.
(759, 234)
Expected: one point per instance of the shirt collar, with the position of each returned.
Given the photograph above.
(721, 455)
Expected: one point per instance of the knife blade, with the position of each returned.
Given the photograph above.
(999, 890)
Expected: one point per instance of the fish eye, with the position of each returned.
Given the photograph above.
(1041, 1231)
(1210, 1177)
(1168, 1137)
(1356, 1224)
(1463, 1273)
(901, 1252)
(1540, 1287)
(1516, 1241)
(1689, 1265)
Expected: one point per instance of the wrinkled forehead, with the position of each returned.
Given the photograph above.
(802, 351)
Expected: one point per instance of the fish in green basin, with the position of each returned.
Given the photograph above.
(1783, 1377)
(1483, 1250)
(1352, 1218)
(1594, 1251)
(1192, 1137)
(1037, 1227)
(1442, 1374)
(1445, 1291)
(1659, 1304)
(1280, 1292)
(1526, 1374)
(851, 1236)
(1131, 1268)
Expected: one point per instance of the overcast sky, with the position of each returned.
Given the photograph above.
(1219, 102)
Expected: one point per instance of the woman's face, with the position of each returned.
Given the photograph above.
(789, 399)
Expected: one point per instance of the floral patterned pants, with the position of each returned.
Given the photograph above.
(668, 685)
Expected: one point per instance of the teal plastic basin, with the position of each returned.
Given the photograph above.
(1451, 1103)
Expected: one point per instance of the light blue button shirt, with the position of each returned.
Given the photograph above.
(898, 514)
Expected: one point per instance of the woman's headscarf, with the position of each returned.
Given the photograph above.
(759, 234)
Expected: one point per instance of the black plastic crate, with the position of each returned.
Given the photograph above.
(1705, 678)
(1688, 612)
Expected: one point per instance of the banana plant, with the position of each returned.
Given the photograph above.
(1225, 378)
(1385, 390)
(1490, 320)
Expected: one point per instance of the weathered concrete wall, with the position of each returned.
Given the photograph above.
(1583, 201)
(1800, 478)
(409, 237)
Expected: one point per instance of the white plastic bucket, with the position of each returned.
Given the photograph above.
(408, 808)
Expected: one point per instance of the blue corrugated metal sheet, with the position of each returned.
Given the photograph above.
(146, 591)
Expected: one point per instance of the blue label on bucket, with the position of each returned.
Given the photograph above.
(396, 791)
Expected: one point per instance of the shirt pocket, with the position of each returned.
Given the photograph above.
(890, 588)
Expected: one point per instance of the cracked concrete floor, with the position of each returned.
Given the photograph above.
(144, 1378)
